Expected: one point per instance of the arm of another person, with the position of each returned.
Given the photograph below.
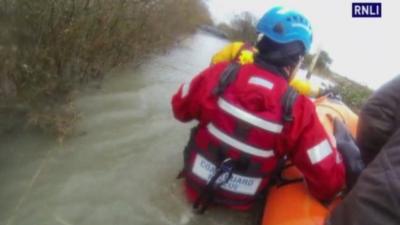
(379, 119)
(375, 198)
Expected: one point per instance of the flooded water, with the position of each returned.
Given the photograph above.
(120, 166)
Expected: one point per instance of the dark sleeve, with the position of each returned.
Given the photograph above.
(378, 119)
(375, 199)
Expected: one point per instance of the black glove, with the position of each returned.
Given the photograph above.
(350, 153)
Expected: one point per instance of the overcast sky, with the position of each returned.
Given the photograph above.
(364, 49)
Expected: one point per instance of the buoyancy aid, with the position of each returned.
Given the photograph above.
(240, 52)
(220, 165)
(243, 53)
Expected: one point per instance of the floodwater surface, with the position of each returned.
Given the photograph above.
(120, 165)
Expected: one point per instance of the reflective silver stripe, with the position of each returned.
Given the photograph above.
(262, 82)
(237, 144)
(319, 152)
(249, 118)
(185, 89)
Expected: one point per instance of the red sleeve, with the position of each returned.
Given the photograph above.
(313, 153)
(186, 101)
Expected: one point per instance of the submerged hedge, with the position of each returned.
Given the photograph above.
(49, 47)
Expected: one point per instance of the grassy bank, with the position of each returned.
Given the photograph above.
(49, 48)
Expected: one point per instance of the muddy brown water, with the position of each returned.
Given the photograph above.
(120, 166)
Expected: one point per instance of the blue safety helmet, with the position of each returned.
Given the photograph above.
(284, 26)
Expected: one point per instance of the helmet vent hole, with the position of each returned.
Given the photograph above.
(278, 28)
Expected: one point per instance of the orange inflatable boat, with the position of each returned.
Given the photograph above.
(291, 204)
